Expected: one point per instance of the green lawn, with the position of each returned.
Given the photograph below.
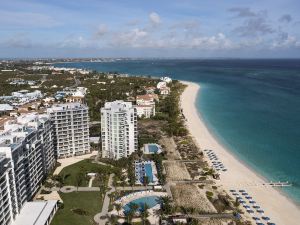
(84, 167)
(87, 201)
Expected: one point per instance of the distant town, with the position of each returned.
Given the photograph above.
(88, 147)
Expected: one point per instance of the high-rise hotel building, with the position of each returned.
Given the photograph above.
(118, 129)
(71, 129)
(26, 156)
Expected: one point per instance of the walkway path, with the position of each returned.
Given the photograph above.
(68, 189)
(91, 181)
(134, 188)
(106, 201)
(69, 161)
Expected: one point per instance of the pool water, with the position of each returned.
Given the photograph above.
(148, 172)
(153, 148)
(151, 201)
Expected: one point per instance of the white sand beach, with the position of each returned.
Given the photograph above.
(277, 206)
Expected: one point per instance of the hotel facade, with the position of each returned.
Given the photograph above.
(26, 156)
(71, 129)
(118, 129)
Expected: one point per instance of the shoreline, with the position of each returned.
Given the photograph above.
(279, 207)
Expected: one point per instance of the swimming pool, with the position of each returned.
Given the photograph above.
(153, 148)
(151, 201)
(148, 172)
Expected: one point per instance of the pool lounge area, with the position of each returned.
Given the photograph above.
(152, 148)
(145, 169)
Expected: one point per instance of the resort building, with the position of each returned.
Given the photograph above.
(37, 213)
(71, 129)
(145, 173)
(164, 90)
(146, 105)
(166, 79)
(5, 109)
(148, 99)
(26, 156)
(145, 111)
(8, 198)
(118, 129)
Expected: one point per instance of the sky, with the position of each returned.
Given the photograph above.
(156, 28)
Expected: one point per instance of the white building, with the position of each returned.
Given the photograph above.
(26, 156)
(8, 198)
(37, 213)
(146, 105)
(161, 84)
(118, 129)
(148, 99)
(164, 90)
(145, 111)
(166, 79)
(5, 108)
(71, 129)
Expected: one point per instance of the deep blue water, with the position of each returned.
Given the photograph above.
(252, 106)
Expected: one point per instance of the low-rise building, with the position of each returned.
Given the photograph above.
(145, 111)
(5, 109)
(148, 99)
(164, 90)
(37, 213)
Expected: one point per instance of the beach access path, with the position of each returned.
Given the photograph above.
(276, 205)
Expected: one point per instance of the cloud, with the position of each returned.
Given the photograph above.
(154, 18)
(242, 12)
(254, 23)
(285, 18)
(215, 42)
(75, 41)
(132, 38)
(284, 40)
(101, 31)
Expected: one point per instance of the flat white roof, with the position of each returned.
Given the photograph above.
(35, 213)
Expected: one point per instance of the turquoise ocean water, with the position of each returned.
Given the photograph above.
(251, 106)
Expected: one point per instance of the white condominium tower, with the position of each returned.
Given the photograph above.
(26, 156)
(118, 129)
(71, 129)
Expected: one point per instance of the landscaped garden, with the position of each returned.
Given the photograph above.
(79, 208)
(76, 174)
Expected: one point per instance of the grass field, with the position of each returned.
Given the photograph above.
(84, 167)
(87, 201)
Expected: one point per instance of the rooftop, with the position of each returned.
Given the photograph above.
(35, 213)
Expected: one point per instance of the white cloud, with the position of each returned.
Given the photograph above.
(154, 18)
(101, 31)
(132, 38)
(286, 41)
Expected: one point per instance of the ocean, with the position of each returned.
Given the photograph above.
(251, 106)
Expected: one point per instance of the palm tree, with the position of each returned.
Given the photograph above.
(118, 208)
(165, 204)
(133, 207)
(79, 179)
(144, 213)
(129, 216)
(113, 220)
